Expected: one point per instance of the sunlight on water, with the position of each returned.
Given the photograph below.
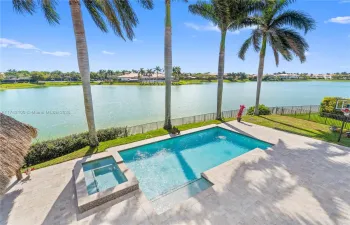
(163, 166)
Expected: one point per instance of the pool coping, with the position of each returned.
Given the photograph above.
(209, 175)
(115, 150)
(86, 201)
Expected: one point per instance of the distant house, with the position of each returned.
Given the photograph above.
(321, 76)
(288, 76)
(129, 77)
(13, 80)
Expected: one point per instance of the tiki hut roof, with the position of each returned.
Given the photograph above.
(15, 140)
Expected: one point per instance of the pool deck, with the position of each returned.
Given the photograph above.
(298, 181)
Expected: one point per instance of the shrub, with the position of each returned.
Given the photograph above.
(328, 105)
(47, 150)
(263, 110)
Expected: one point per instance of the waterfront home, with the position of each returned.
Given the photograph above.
(13, 80)
(129, 77)
(288, 76)
(321, 76)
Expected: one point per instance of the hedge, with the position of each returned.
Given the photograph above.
(263, 110)
(47, 150)
(328, 105)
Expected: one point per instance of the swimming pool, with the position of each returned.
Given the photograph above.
(102, 174)
(165, 165)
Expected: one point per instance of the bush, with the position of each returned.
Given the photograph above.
(47, 150)
(328, 105)
(263, 110)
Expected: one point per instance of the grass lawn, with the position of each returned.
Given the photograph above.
(121, 141)
(298, 126)
(32, 85)
(315, 117)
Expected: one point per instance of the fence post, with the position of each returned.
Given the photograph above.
(142, 129)
(341, 130)
(309, 113)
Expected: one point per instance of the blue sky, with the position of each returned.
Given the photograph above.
(30, 43)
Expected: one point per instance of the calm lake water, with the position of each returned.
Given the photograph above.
(59, 111)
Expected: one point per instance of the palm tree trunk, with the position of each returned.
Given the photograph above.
(221, 69)
(167, 65)
(84, 69)
(260, 75)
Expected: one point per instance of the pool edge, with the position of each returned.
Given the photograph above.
(85, 201)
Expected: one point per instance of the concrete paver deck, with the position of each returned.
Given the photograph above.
(298, 181)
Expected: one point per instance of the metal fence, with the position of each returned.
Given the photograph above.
(282, 110)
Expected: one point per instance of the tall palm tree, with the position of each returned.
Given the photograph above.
(274, 26)
(149, 73)
(157, 70)
(121, 18)
(168, 64)
(177, 72)
(227, 15)
(141, 73)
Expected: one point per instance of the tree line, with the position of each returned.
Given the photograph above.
(273, 25)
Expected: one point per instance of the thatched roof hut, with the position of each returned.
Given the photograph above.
(15, 140)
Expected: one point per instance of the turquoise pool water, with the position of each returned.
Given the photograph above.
(163, 166)
(102, 174)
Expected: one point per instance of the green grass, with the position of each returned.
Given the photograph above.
(315, 117)
(32, 85)
(120, 141)
(298, 126)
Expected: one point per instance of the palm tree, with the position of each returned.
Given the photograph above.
(140, 74)
(119, 15)
(168, 64)
(149, 73)
(274, 26)
(157, 70)
(176, 72)
(227, 15)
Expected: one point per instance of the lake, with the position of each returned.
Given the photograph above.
(59, 111)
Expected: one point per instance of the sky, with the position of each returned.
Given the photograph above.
(28, 42)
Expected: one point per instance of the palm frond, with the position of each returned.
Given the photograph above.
(295, 19)
(113, 20)
(147, 4)
(295, 42)
(95, 10)
(279, 5)
(256, 39)
(244, 48)
(127, 16)
(205, 10)
(24, 6)
(280, 45)
(276, 55)
(49, 8)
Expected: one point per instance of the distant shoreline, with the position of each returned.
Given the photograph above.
(181, 82)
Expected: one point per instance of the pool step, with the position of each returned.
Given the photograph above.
(172, 198)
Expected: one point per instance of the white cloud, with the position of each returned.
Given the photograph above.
(212, 27)
(57, 53)
(307, 53)
(8, 43)
(339, 19)
(345, 1)
(209, 27)
(108, 53)
(137, 40)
